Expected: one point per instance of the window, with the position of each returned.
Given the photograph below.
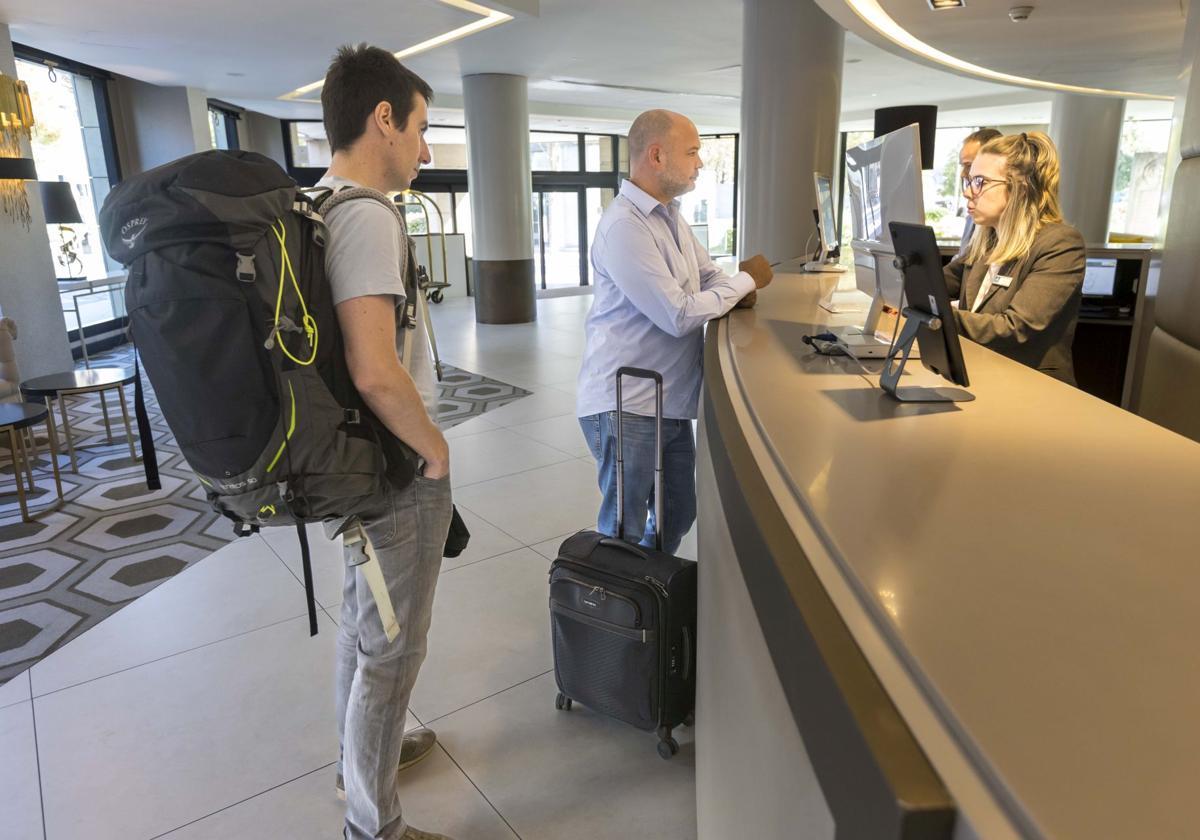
(72, 142)
(1138, 184)
(447, 147)
(307, 145)
(222, 126)
(945, 206)
(598, 153)
(551, 151)
(711, 208)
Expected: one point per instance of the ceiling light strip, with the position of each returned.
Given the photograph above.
(874, 16)
(488, 19)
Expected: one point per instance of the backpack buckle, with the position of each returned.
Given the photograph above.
(351, 416)
(245, 268)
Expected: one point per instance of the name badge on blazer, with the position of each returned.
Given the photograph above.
(1002, 281)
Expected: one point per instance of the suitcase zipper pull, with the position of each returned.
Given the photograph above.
(657, 584)
(600, 589)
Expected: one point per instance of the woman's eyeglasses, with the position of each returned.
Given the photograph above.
(973, 187)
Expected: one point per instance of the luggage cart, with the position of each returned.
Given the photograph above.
(430, 290)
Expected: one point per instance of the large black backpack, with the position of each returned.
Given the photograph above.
(233, 319)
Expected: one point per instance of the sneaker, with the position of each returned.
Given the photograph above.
(417, 834)
(418, 743)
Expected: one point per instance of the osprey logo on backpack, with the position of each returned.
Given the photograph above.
(131, 230)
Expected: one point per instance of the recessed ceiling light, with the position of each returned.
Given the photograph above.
(235, 74)
(942, 5)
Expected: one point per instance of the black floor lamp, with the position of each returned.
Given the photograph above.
(58, 202)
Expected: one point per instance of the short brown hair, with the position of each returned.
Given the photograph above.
(359, 78)
(981, 136)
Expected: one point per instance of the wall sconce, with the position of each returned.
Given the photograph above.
(16, 122)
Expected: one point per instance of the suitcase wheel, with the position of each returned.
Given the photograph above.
(668, 747)
(562, 702)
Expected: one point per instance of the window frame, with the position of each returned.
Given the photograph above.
(233, 116)
(100, 79)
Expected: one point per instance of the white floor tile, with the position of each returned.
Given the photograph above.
(20, 804)
(435, 794)
(572, 774)
(328, 562)
(543, 370)
(486, 541)
(303, 809)
(563, 433)
(501, 452)
(470, 427)
(241, 586)
(150, 749)
(549, 548)
(539, 504)
(491, 630)
(15, 690)
(547, 402)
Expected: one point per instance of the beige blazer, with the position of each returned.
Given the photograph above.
(1033, 320)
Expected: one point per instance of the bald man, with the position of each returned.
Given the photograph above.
(655, 289)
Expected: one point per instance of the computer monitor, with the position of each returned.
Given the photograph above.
(1099, 277)
(928, 318)
(883, 182)
(827, 229)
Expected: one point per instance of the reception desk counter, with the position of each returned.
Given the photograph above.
(948, 620)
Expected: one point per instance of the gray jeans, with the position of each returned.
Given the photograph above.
(375, 677)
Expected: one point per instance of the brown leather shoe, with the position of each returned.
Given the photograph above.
(418, 743)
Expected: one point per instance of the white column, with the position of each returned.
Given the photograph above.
(1087, 131)
(791, 102)
(500, 182)
(28, 292)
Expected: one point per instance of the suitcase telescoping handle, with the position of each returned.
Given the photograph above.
(640, 373)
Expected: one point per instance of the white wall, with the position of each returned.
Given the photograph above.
(28, 293)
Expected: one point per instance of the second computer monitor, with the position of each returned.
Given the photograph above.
(883, 180)
(827, 229)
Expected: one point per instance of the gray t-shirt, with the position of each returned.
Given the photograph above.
(366, 255)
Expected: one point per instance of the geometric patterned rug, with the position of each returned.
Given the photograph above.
(113, 540)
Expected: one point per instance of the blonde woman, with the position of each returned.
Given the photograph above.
(1020, 282)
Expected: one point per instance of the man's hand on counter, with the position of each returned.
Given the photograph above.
(748, 301)
(758, 268)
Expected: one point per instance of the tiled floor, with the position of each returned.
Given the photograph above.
(204, 710)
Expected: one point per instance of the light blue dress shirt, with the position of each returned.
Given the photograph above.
(655, 289)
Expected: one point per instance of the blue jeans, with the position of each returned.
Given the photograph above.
(679, 476)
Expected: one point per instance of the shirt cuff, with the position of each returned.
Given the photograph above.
(743, 282)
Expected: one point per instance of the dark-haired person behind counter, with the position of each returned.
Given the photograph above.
(1020, 282)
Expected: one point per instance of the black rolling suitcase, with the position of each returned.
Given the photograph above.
(623, 617)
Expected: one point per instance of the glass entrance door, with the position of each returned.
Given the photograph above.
(559, 237)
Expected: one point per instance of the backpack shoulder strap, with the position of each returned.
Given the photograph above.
(329, 200)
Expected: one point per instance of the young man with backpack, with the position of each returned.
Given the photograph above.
(375, 113)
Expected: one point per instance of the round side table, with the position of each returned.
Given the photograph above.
(57, 386)
(17, 417)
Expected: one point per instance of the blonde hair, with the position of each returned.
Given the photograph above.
(1032, 180)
